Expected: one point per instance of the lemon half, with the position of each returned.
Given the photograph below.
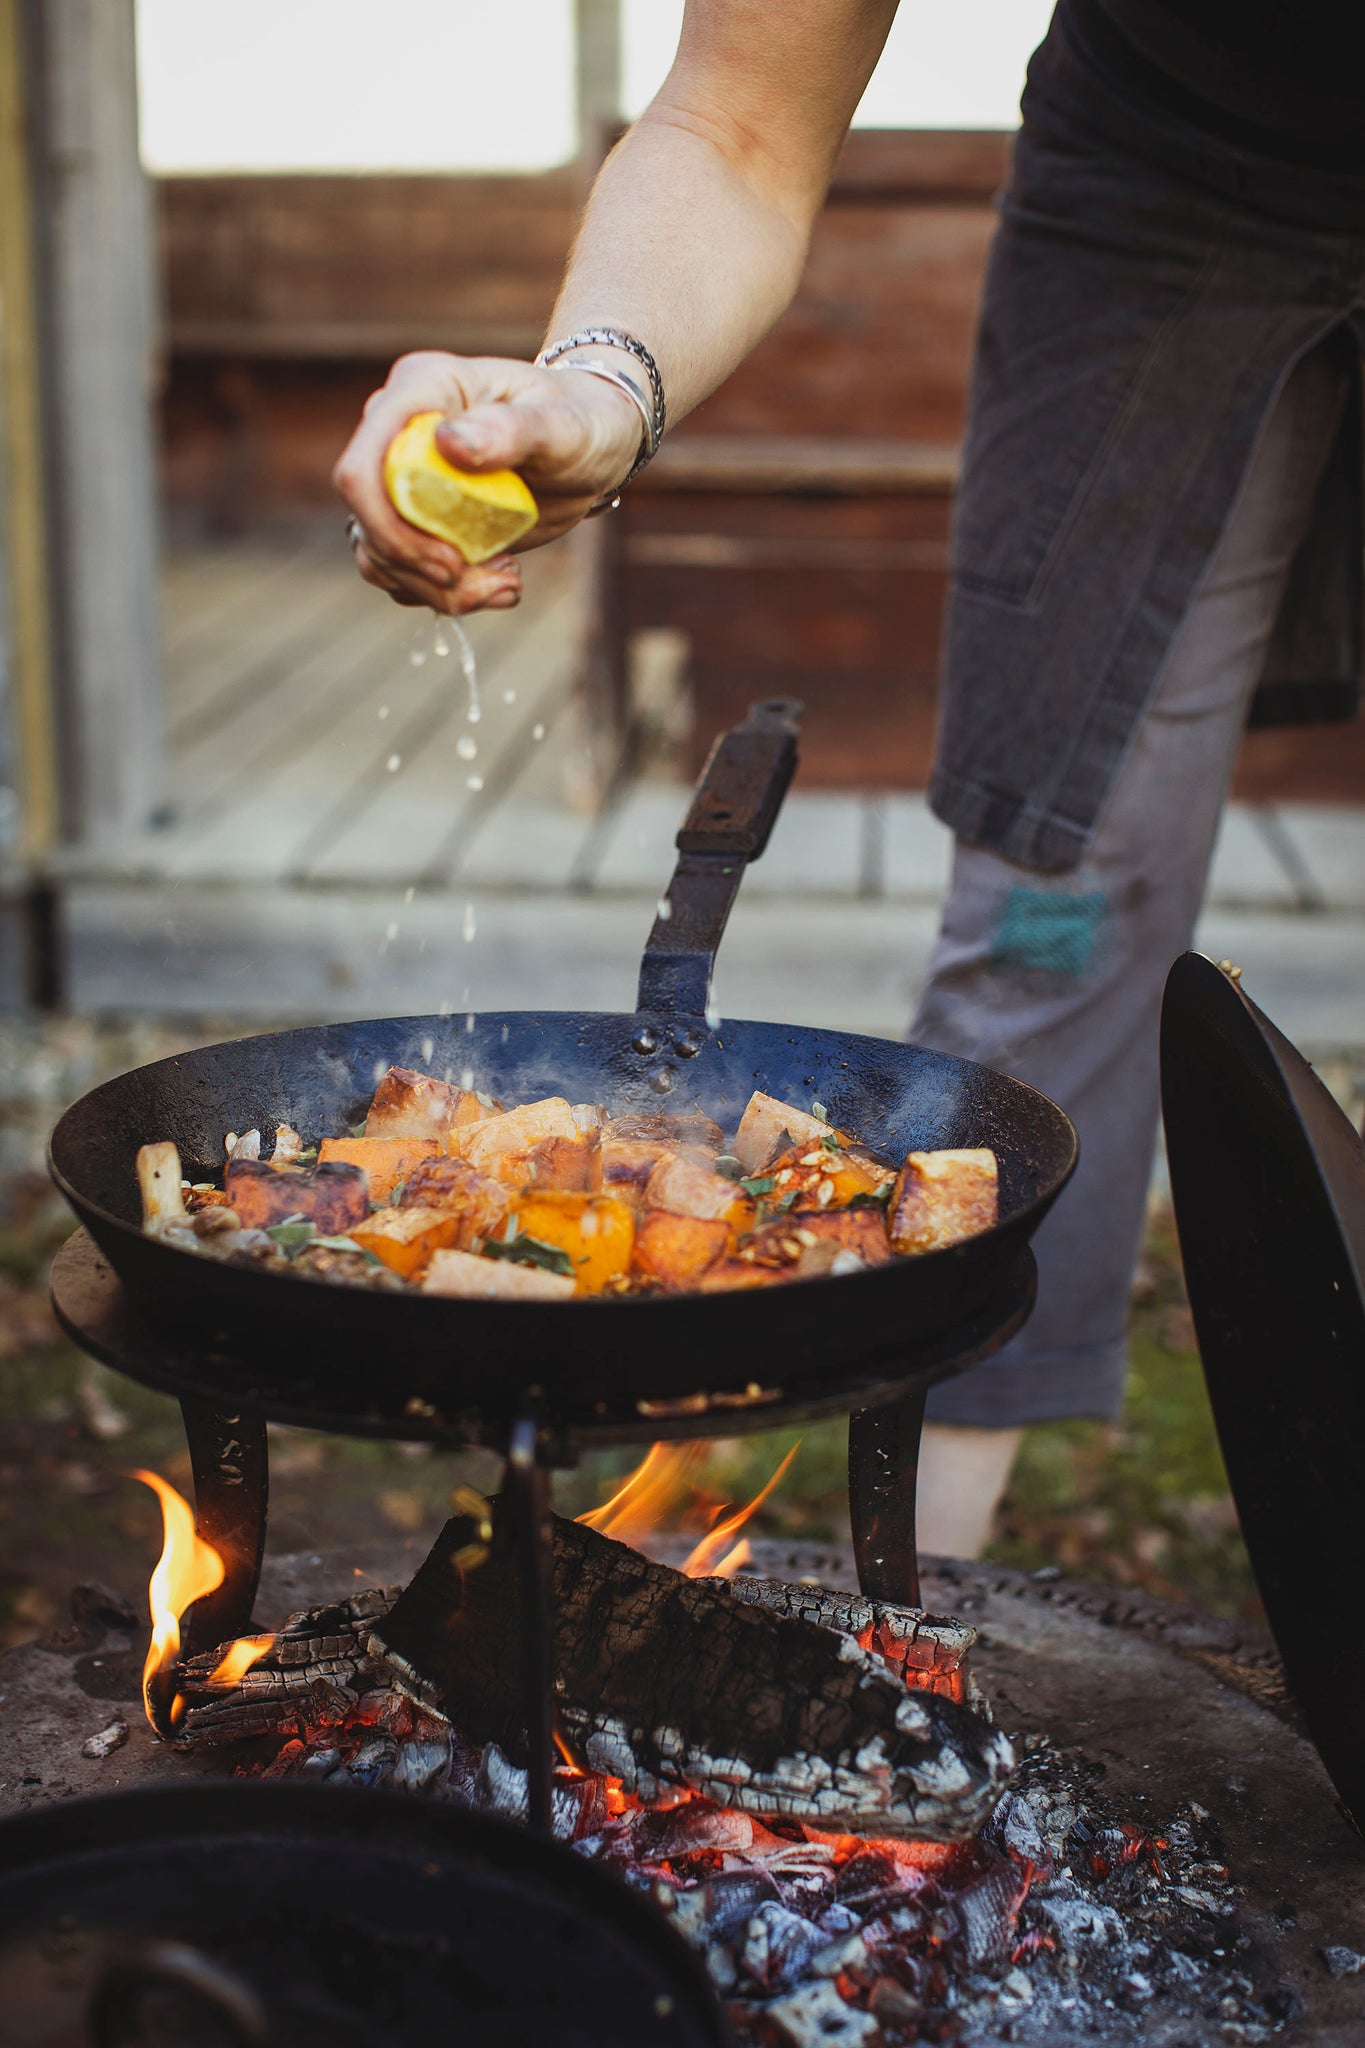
(479, 515)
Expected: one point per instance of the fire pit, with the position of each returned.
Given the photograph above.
(1135, 1723)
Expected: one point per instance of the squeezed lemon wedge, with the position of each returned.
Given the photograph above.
(479, 515)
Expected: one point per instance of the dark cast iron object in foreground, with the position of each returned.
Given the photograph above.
(1268, 1183)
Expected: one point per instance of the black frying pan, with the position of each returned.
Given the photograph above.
(346, 1349)
(298, 1916)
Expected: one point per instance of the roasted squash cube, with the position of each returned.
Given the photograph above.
(404, 1239)
(412, 1105)
(942, 1198)
(480, 1204)
(384, 1161)
(333, 1195)
(674, 1251)
(476, 1279)
(823, 1176)
(596, 1231)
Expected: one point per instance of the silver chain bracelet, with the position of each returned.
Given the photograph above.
(653, 410)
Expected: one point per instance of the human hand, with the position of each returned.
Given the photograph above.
(571, 438)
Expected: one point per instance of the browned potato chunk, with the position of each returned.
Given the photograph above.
(504, 1146)
(687, 1188)
(768, 1127)
(476, 1279)
(674, 1251)
(331, 1195)
(943, 1197)
(411, 1105)
(677, 1133)
(452, 1184)
(568, 1165)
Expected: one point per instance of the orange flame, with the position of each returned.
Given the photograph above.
(187, 1569)
(241, 1655)
(656, 1493)
(714, 1557)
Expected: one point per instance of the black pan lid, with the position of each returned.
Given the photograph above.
(1268, 1182)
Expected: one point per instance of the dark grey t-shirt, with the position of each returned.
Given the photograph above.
(1284, 78)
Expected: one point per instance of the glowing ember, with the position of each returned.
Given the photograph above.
(659, 1492)
(187, 1569)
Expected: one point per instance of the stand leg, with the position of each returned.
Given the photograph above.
(526, 1499)
(231, 1492)
(883, 1465)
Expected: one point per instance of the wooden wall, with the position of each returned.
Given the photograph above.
(795, 528)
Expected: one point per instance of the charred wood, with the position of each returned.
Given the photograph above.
(668, 1682)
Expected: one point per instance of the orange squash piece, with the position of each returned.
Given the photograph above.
(384, 1161)
(597, 1232)
(674, 1251)
(405, 1239)
(825, 1177)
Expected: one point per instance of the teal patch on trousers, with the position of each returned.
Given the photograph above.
(1044, 930)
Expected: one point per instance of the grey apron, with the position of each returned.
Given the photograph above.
(1149, 291)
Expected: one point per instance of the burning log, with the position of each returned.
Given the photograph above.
(669, 1683)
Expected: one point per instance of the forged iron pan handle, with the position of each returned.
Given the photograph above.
(117, 2013)
(747, 774)
(735, 806)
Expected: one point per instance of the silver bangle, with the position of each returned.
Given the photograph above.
(653, 411)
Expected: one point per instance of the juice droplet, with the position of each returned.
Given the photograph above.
(383, 713)
(509, 696)
(474, 782)
(390, 933)
(537, 732)
(469, 668)
(440, 646)
(466, 747)
(418, 657)
(394, 763)
(466, 1078)
(408, 896)
(469, 1023)
(469, 927)
(665, 909)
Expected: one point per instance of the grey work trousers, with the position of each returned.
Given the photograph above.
(1058, 978)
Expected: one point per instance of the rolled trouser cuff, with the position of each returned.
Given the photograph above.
(1043, 1386)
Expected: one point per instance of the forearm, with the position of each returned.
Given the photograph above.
(682, 248)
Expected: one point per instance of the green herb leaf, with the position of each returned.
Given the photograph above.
(728, 1166)
(306, 1158)
(817, 1109)
(530, 1251)
(877, 1198)
(830, 1142)
(761, 1184)
(358, 1130)
(293, 1234)
(486, 1100)
(396, 1193)
(781, 1207)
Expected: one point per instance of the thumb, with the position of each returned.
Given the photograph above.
(492, 436)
